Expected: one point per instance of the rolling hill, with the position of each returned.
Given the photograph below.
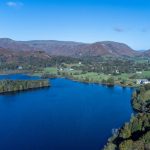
(73, 49)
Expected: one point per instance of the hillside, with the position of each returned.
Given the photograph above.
(73, 49)
(7, 55)
(146, 53)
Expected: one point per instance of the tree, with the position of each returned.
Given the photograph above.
(110, 81)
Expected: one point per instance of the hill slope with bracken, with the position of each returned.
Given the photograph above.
(10, 56)
(73, 49)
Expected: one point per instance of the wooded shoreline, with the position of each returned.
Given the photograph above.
(134, 135)
(7, 86)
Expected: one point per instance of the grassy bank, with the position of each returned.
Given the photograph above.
(89, 77)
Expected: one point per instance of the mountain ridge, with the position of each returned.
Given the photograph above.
(72, 49)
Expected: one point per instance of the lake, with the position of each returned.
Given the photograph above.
(67, 116)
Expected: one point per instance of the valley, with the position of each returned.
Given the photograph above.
(107, 64)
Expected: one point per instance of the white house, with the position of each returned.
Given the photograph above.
(138, 72)
(80, 63)
(142, 81)
(20, 67)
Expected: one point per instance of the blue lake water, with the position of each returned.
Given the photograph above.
(68, 116)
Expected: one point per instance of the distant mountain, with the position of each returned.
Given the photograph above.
(10, 44)
(146, 53)
(73, 49)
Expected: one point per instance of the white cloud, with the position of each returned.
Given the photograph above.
(14, 4)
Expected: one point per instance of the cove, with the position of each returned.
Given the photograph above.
(67, 116)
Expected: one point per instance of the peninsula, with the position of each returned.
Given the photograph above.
(7, 86)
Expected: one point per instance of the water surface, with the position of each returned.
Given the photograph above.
(68, 116)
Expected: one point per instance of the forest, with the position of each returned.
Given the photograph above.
(7, 86)
(106, 65)
(134, 135)
(141, 98)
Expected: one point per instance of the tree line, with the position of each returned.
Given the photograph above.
(134, 135)
(21, 85)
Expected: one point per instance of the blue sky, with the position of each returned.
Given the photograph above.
(89, 21)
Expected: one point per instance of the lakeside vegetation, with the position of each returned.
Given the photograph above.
(141, 98)
(134, 135)
(7, 86)
(123, 71)
(88, 77)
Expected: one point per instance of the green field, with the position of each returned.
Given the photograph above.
(52, 70)
(76, 74)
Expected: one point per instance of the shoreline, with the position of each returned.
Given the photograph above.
(71, 78)
(14, 86)
(81, 81)
(100, 83)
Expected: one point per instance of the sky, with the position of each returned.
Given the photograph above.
(126, 21)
